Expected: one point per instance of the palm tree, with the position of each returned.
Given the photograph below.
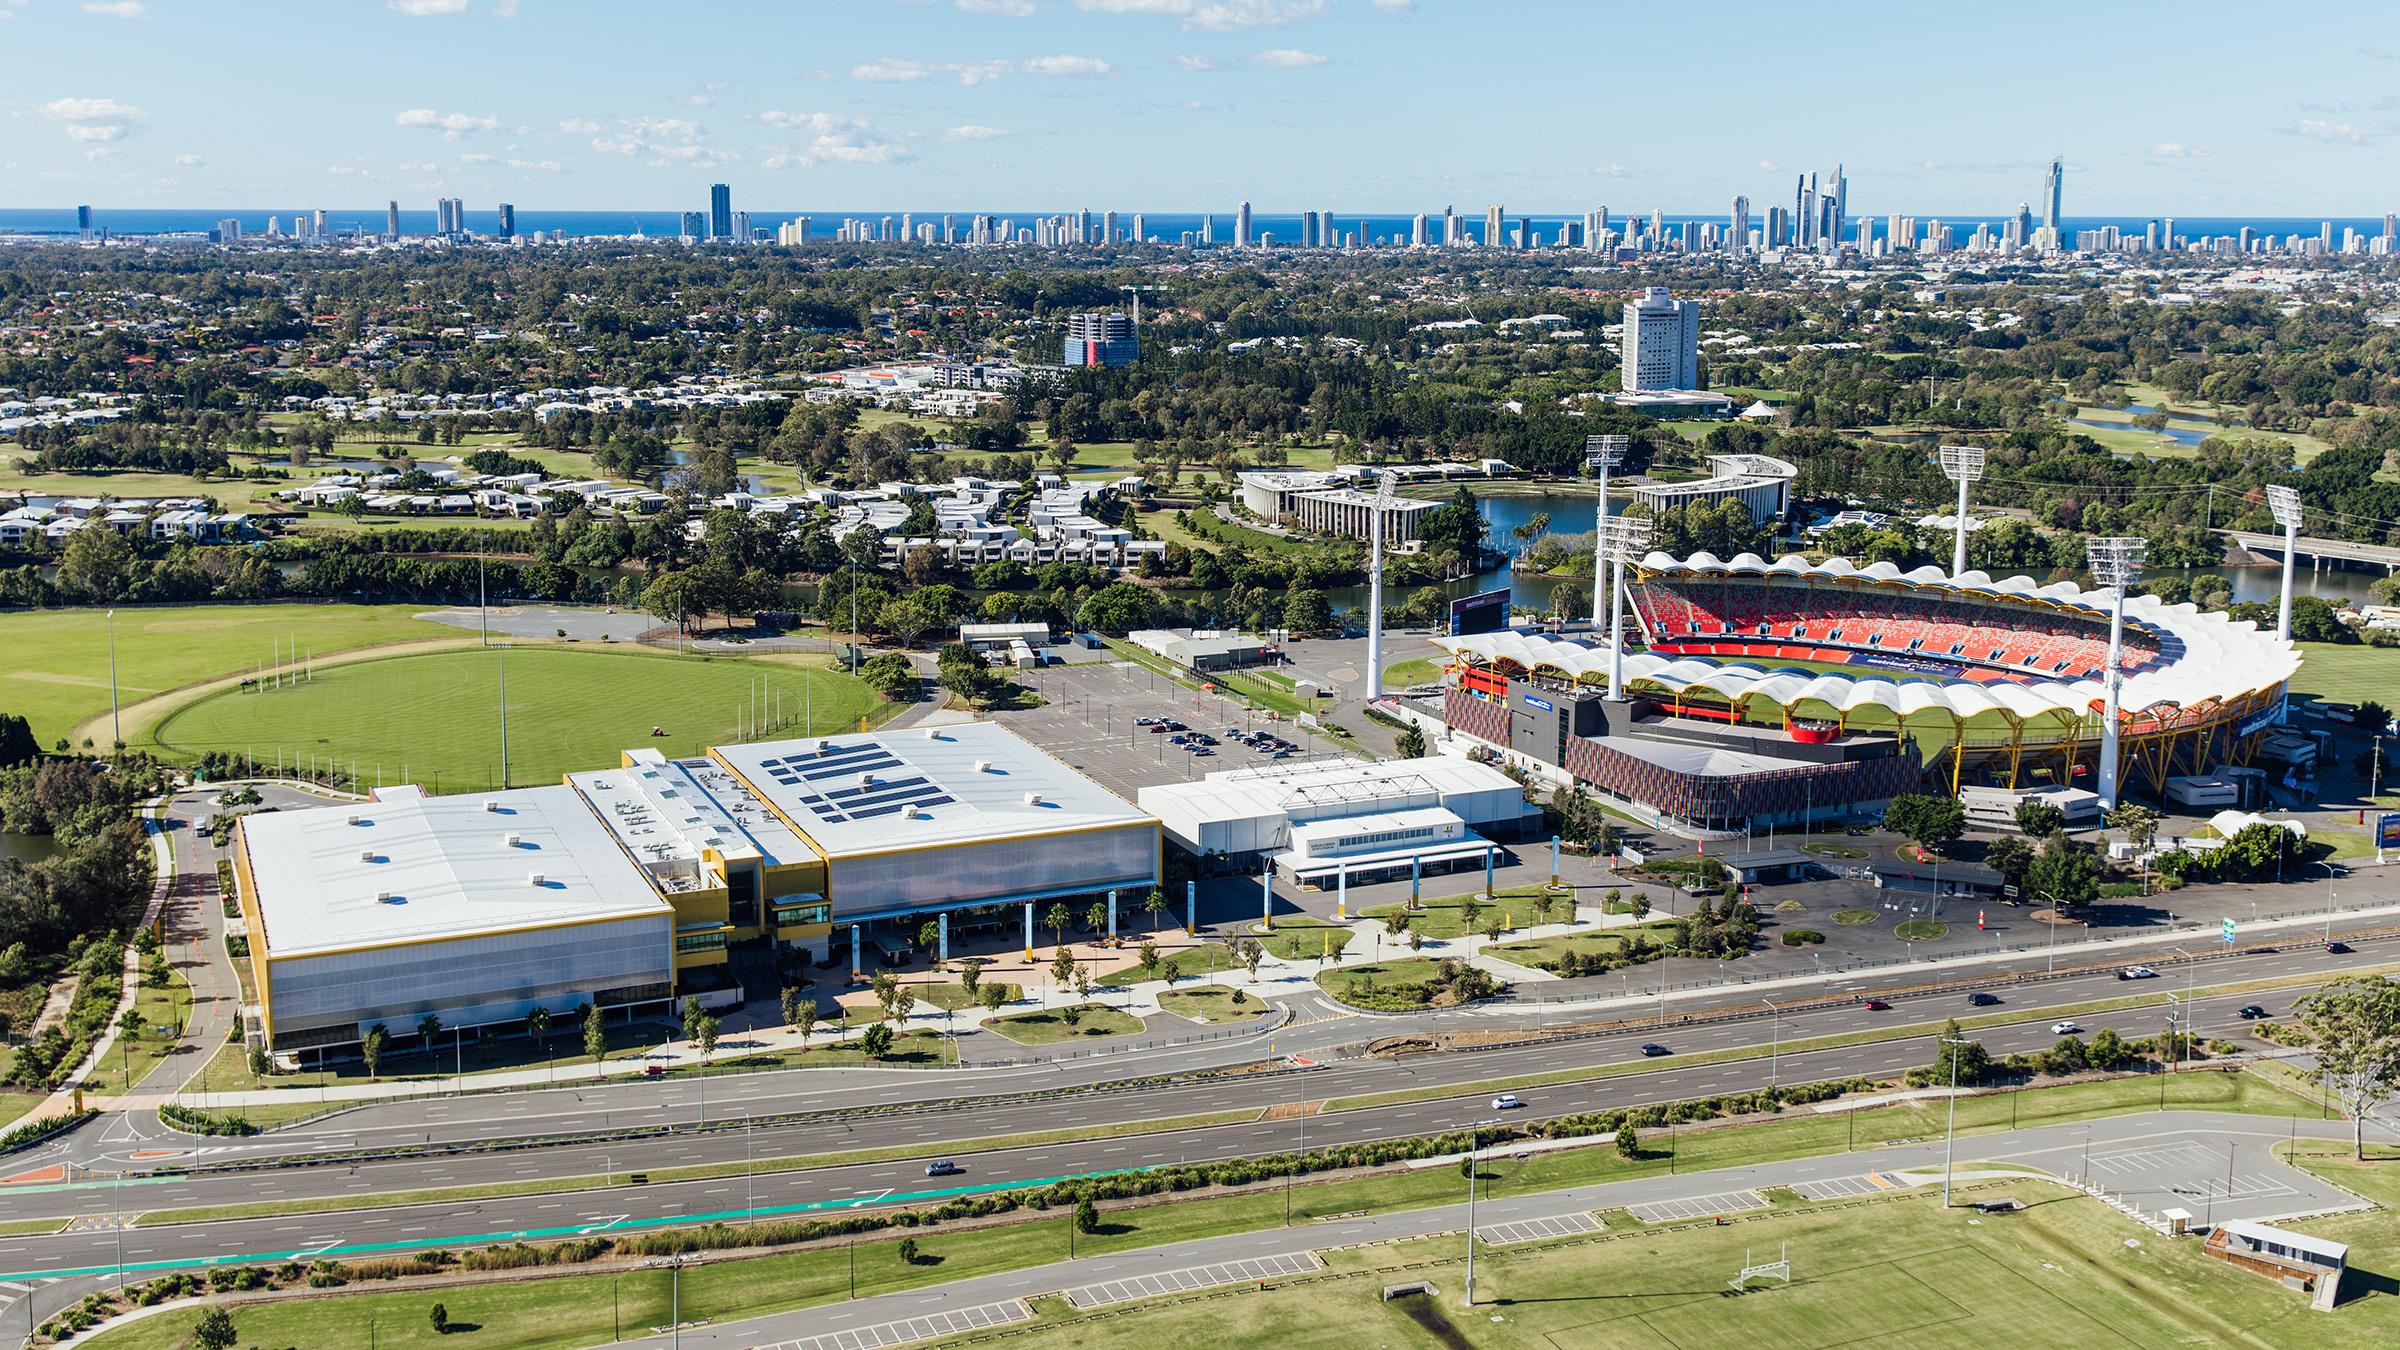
(1058, 918)
(1154, 904)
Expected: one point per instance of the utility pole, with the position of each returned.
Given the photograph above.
(1950, 1134)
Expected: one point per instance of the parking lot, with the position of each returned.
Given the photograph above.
(1090, 719)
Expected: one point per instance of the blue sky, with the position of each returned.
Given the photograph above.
(2193, 108)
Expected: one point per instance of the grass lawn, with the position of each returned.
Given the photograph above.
(1206, 959)
(163, 1010)
(433, 718)
(1849, 917)
(404, 1061)
(1304, 939)
(1378, 980)
(1423, 670)
(15, 1104)
(1447, 917)
(1921, 930)
(1545, 952)
(952, 997)
(1049, 1026)
(2347, 672)
(1212, 1003)
(57, 671)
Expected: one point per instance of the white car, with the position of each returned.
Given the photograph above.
(2064, 1028)
(1507, 1101)
(2137, 973)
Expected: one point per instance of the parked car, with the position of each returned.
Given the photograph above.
(654, 1071)
(1653, 1049)
(2137, 973)
(1507, 1101)
(1982, 1000)
(2067, 1028)
(2251, 1012)
(1157, 727)
(943, 1168)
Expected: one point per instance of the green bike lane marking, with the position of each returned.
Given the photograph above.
(321, 1252)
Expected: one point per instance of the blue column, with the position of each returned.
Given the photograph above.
(1554, 860)
(1029, 930)
(1266, 896)
(1191, 908)
(943, 919)
(854, 954)
(1112, 916)
(1341, 891)
(1416, 878)
(1487, 871)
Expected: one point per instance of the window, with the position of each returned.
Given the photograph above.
(699, 942)
(802, 915)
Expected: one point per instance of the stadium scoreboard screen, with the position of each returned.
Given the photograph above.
(1486, 612)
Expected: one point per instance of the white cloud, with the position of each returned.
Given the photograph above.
(2177, 150)
(1195, 61)
(98, 153)
(1288, 58)
(1769, 166)
(504, 9)
(1214, 16)
(2333, 133)
(92, 119)
(819, 123)
(8, 10)
(117, 9)
(1395, 6)
(579, 126)
(451, 125)
(1066, 65)
(191, 161)
(974, 132)
(663, 128)
(348, 171)
(901, 70)
(419, 9)
(1612, 171)
(1012, 9)
(833, 138)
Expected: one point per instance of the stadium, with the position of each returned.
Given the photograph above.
(1765, 686)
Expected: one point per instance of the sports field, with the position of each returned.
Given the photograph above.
(434, 718)
(56, 671)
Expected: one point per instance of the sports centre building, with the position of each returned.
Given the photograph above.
(1777, 690)
(627, 887)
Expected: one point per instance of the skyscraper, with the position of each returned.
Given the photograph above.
(1804, 209)
(2052, 189)
(508, 220)
(1661, 346)
(1840, 203)
(1737, 237)
(1495, 221)
(1241, 226)
(1208, 230)
(1420, 231)
(83, 222)
(720, 211)
(1141, 229)
(391, 220)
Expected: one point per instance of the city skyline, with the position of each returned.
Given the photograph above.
(1188, 105)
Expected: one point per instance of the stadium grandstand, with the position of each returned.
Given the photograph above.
(1828, 686)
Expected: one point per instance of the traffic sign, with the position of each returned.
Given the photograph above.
(2228, 932)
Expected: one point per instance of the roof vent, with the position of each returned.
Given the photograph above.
(491, 804)
(1033, 799)
(366, 855)
(827, 748)
(387, 898)
(536, 879)
(933, 733)
(357, 820)
(866, 780)
(511, 840)
(983, 766)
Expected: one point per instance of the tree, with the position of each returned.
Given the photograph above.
(2009, 855)
(17, 744)
(2040, 819)
(1095, 917)
(2138, 823)
(877, 1041)
(908, 1251)
(992, 996)
(1250, 952)
(693, 1012)
(1469, 910)
(1170, 970)
(804, 1017)
(1087, 1216)
(1147, 956)
(261, 1063)
(132, 1024)
(371, 1048)
(1972, 1060)
(428, 1027)
(1410, 743)
(537, 1025)
(705, 1036)
(2064, 872)
(1083, 982)
(1058, 919)
(1931, 821)
(2353, 1027)
(2108, 1051)
(595, 1035)
(441, 1320)
(1062, 967)
(96, 565)
(1307, 611)
(1629, 1142)
(1154, 904)
(970, 978)
(216, 1330)
(789, 1001)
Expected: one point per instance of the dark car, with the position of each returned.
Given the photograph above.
(2251, 1012)
(1877, 1005)
(2338, 947)
(1653, 1049)
(1982, 1000)
(944, 1168)
(1156, 727)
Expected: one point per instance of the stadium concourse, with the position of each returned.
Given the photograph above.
(1778, 691)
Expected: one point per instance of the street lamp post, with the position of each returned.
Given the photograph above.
(1950, 1134)
(1774, 1043)
(1474, 1143)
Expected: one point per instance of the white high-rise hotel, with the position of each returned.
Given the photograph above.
(1662, 342)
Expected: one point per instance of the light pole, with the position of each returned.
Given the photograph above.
(1961, 464)
(1474, 1143)
(2116, 562)
(2328, 900)
(2284, 504)
(1774, 1043)
(2052, 897)
(1950, 1133)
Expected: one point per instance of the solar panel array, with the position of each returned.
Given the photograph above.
(859, 795)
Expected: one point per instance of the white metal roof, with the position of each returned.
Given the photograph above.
(2221, 658)
(969, 782)
(1328, 788)
(415, 867)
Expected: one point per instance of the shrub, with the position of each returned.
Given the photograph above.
(1802, 937)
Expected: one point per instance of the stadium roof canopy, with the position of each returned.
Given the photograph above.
(2220, 659)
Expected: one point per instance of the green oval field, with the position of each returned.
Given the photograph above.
(436, 717)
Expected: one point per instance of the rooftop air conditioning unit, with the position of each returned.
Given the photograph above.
(383, 897)
(511, 840)
(1033, 799)
(358, 820)
(366, 855)
(491, 803)
(866, 780)
(933, 733)
(983, 766)
(535, 879)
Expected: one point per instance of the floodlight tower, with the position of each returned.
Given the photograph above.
(1961, 464)
(1602, 453)
(2285, 503)
(1621, 537)
(2115, 564)
(1383, 503)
